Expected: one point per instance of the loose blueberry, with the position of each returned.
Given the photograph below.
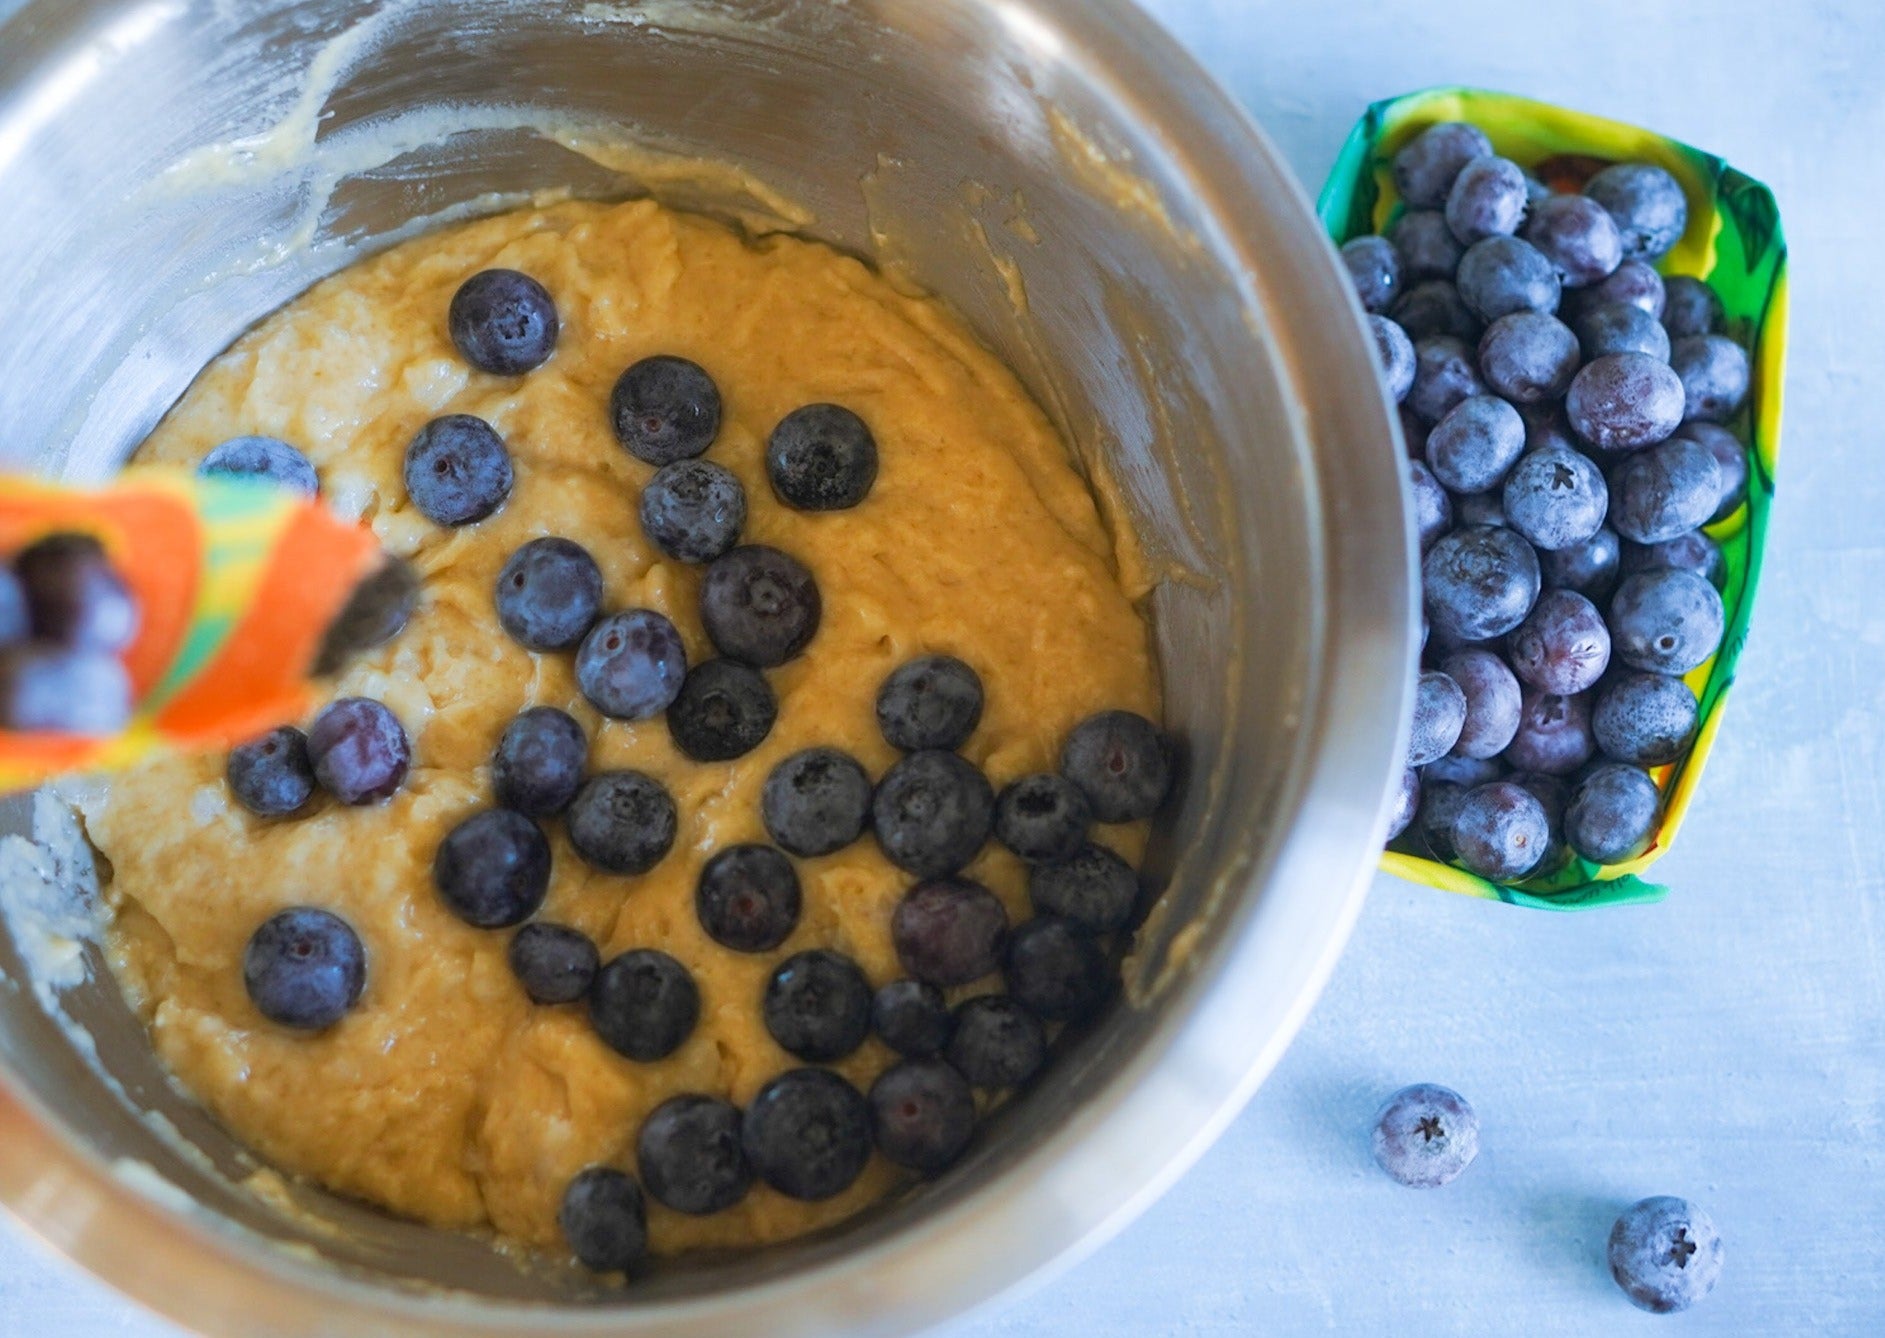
(1471, 448)
(1122, 762)
(272, 776)
(725, 709)
(1691, 308)
(1624, 401)
(1492, 702)
(268, 459)
(1445, 372)
(604, 1221)
(1731, 458)
(808, 1134)
(1055, 971)
(997, 1043)
(1665, 1253)
(1374, 267)
(1590, 568)
(817, 1005)
(1395, 352)
(458, 470)
(74, 597)
(1563, 646)
(538, 766)
(493, 869)
(1528, 357)
(1554, 734)
(631, 665)
(1659, 493)
(759, 605)
(359, 750)
(665, 409)
(1500, 831)
(1501, 275)
(377, 611)
(1612, 815)
(931, 813)
(1406, 802)
(1645, 719)
(1714, 374)
(1427, 165)
(51, 688)
(622, 822)
(748, 898)
(693, 510)
(690, 1155)
(1427, 246)
(554, 963)
(912, 1018)
(1666, 621)
(503, 322)
(1043, 818)
(1425, 1135)
(1556, 498)
(1620, 327)
(1578, 236)
(1487, 199)
(816, 801)
(923, 1114)
(821, 458)
(304, 968)
(1434, 308)
(949, 932)
(1433, 508)
(643, 1004)
(549, 594)
(931, 702)
(1647, 204)
(1094, 889)
(1689, 551)
(1480, 582)
(1439, 715)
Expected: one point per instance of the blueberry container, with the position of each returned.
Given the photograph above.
(1734, 242)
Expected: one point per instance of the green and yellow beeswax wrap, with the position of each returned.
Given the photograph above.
(1733, 242)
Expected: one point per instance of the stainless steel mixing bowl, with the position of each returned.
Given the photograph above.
(1103, 215)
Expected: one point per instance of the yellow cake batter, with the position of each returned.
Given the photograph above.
(446, 1095)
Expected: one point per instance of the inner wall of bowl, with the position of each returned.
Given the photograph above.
(169, 175)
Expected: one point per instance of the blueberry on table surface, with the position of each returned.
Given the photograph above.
(1620, 327)
(74, 597)
(622, 821)
(748, 898)
(1501, 275)
(808, 1134)
(1471, 449)
(46, 687)
(1433, 507)
(1666, 621)
(1665, 1253)
(997, 1043)
(693, 510)
(1590, 568)
(1043, 818)
(665, 409)
(816, 801)
(1486, 199)
(1563, 646)
(604, 1220)
(690, 1156)
(503, 322)
(1122, 762)
(923, 1114)
(538, 765)
(1445, 372)
(821, 458)
(1406, 802)
(304, 968)
(643, 1004)
(932, 813)
(1439, 715)
(1425, 1135)
(1644, 719)
(1578, 236)
(1374, 267)
(949, 931)
(1647, 204)
(549, 594)
(1556, 498)
(1500, 831)
(1731, 458)
(1479, 582)
(1394, 351)
(493, 869)
(1612, 814)
(1492, 699)
(1093, 888)
(817, 1005)
(1690, 307)
(267, 459)
(1057, 971)
(1691, 550)
(759, 605)
(1426, 166)
(271, 776)
(1714, 373)
(631, 664)
(1554, 733)
(554, 963)
(724, 710)
(377, 611)
(912, 1018)
(458, 470)
(1426, 245)
(1660, 493)
(933, 701)
(359, 750)
(1431, 309)
(1528, 357)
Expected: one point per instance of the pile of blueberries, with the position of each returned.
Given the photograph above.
(808, 1132)
(66, 619)
(1564, 404)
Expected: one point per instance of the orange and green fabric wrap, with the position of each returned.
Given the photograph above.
(236, 583)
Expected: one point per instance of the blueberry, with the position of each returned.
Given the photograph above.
(1552, 794)
(74, 597)
(997, 1043)
(1478, 508)
(816, 801)
(538, 765)
(1528, 357)
(631, 664)
(1659, 493)
(1439, 715)
(14, 620)
(554, 963)
(1480, 582)
(359, 750)
(1731, 458)
(643, 1004)
(1689, 551)
(1043, 818)
(1714, 374)
(932, 812)
(1666, 621)
(1624, 401)
(46, 687)
(1554, 733)
(1578, 236)
(725, 710)
(1395, 352)
(1122, 762)
(1492, 702)
(377, 611)
(503, 322)
(1426, 166)
(1487, 199)
(1647, 204)
(549, 594)
(458, 470)
(912, 1018)
(1465, 772)
(272, 776)
(304, 968)
(1546, 426)
(1427, 246)
(817, 1005)
(1691, 307)
(1635, 282)
(1439, 803)
(1618, 327)
(493, 869)
(748, 898)
(1374, 267)
(1471, 448)
(622, 821)
(665, 409)
(1563, 646)
(603, 1219)
(1501, 275)
(923, 1114)
(1433, 509)
(693, 510)
(1056, 971)
(1406, 802)
(808, 1134)
(268, 459)
(1645, 719)
(949, 932)
(1665, 1253)
(1500, 831)
(759, 605)
(1612, 815)
(931, 702)
(1425, 1135)
(1590, 568)
(821, 457)
(1556, 498)
(1413, 433)
(690, 1155)
(1435, 308)
(1093, 888)
(1445, 372)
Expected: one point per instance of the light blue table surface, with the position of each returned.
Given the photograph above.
(1728, 1045)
